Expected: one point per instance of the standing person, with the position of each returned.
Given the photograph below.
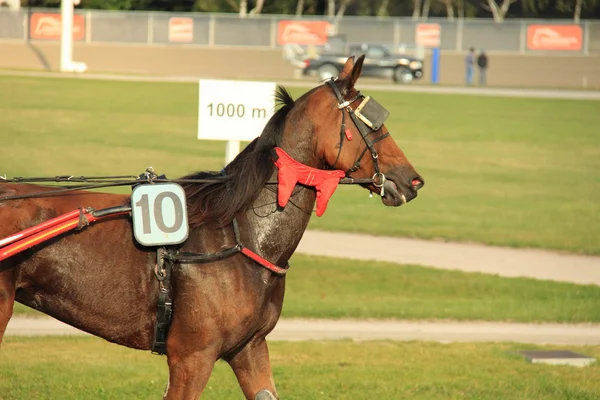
(482, 62)
(470, 61)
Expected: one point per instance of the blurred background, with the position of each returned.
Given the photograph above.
(533, 43)
(506, 229)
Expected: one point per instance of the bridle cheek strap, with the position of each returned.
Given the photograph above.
(356, 165)
(364, 130)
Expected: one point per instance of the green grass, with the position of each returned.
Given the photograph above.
(321, 287)
(501, 171)
(89, 368)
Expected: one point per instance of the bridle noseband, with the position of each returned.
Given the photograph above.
(378, 179)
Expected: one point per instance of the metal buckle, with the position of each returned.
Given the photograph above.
(344, 104)
(382, 175)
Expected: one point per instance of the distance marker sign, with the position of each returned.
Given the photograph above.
(234, 110)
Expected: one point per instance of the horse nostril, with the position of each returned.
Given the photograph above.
(417, 183)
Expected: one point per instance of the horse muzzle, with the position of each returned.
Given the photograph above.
(398, 191)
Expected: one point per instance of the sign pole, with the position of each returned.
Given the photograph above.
(430, 36)
(232, 150)
(66, 37)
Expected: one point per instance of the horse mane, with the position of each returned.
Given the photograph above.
(216, 203)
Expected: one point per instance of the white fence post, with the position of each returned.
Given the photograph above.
(397, 37)
(88, 27)
(273, 33)
(150, 39)
(26, 22)
(586, 38)
(211, 31)
(523, 37)
(459, 34)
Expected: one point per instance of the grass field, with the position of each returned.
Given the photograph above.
(89, 368)
(515, 172)
(320, 287)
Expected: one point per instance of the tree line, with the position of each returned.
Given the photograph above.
(418, 9)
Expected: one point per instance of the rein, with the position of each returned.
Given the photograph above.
(116, 181)
(149, 176)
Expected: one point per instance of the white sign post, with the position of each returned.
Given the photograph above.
(66, 38)
(234, 111)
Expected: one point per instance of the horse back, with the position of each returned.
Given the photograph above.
(80, 276)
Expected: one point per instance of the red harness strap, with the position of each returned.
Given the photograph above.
(263, 261)
(292, 172)
(37, 234)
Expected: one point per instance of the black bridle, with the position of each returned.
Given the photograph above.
(378, 179)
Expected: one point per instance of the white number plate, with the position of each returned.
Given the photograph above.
(159, 214)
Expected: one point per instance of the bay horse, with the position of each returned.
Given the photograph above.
(100, 280)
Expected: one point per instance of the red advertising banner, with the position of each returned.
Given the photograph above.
(555, 37)
(48, 26)
(303, 32)
(428, 35)
(181, 30)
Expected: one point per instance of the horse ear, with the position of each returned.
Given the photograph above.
(356, 71)
(352, 71)
(348, 68)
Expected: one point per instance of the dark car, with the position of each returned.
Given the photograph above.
(379, 62)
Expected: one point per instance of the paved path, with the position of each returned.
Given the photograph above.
(489, 91)
(467, 257)
(446, 332)
(508, 262)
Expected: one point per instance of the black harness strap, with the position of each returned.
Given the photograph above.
(164, 265)
(193, 258)
(164, 307)
(356, 165)
(199, 258)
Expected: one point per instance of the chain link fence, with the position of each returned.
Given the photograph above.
(217, 30)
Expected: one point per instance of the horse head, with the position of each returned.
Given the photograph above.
(347, 132)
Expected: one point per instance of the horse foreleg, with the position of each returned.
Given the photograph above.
(7, 299)
(252, 368)
(188, 374)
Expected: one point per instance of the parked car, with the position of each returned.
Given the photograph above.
(379, 62)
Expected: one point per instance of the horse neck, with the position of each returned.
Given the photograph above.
(275, 233)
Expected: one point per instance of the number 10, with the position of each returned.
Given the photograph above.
(158, 217)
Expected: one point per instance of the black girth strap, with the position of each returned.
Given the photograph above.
(164, 307)
(164, 265)
(193, 258)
